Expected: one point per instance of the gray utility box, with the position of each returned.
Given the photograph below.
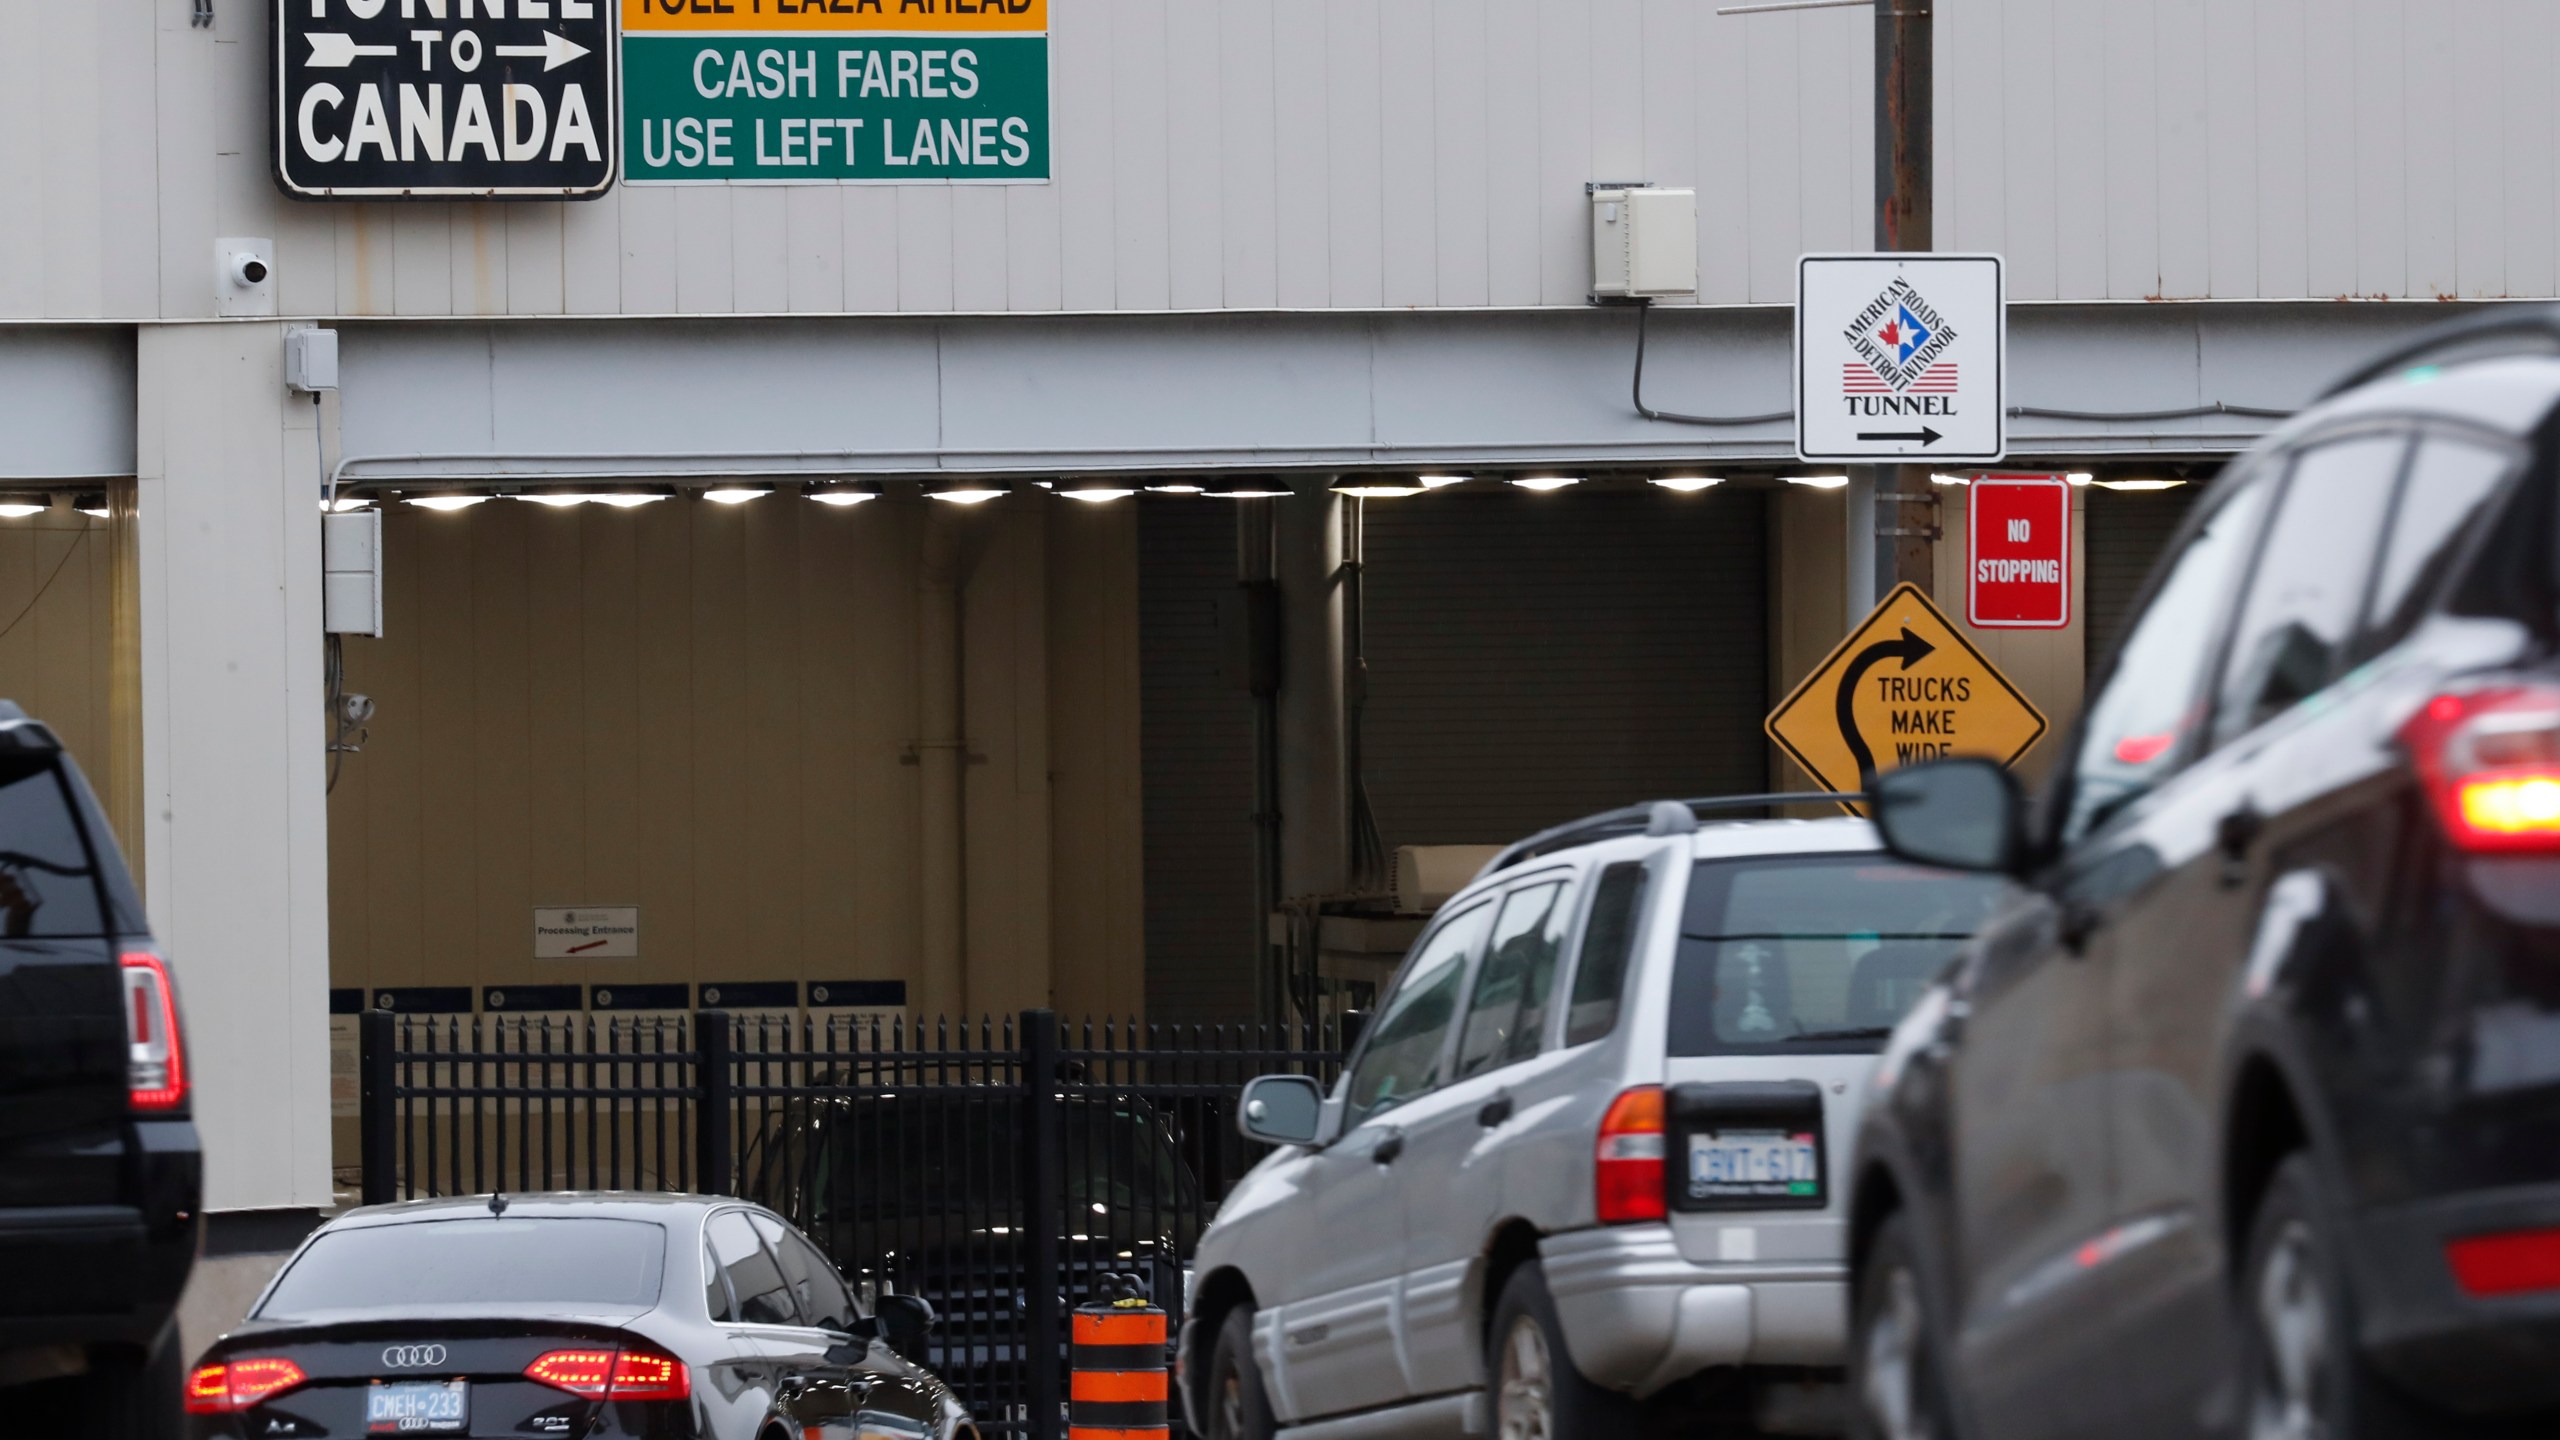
(1644, 242)
(351, 572)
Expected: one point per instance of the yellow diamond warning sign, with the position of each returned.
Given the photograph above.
(1905, 686)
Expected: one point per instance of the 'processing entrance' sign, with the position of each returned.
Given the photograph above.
(811, 91)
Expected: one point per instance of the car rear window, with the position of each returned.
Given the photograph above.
(583, 1263)
(1814, 954)
(48, 886)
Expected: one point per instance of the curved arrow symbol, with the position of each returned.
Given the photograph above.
(555, 50)
(1910, 650)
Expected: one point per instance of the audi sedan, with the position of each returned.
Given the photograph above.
(669, 1317)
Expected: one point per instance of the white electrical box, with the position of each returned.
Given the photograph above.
(311, 360)
(1644, 242)
(351, 573)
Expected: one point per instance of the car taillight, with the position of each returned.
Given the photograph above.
(2490, 761)
(155, 1066)
(1627, 1178)
(613, 1374)
(2513, 1263)
(230, 1385)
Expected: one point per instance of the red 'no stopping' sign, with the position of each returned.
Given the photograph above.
(2018, 553)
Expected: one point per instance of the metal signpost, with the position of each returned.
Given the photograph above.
(443, 98)
(1906, 686)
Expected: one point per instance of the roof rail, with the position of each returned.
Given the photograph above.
(2540, 321)
(1656, 817)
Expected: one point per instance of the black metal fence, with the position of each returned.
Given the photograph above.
(996, 1167)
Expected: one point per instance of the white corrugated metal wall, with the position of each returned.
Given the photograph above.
(1357, 153)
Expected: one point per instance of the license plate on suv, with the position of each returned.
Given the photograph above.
(1755, 1165)
(417, 1407)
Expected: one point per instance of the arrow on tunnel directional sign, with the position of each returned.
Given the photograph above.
(1906, 685)
(1922, 436)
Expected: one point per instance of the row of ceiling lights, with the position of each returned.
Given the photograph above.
(974, 492)
(19, 504)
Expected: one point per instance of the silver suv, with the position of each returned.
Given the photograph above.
(1581, 1163)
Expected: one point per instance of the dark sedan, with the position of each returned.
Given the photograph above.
(671, 1317)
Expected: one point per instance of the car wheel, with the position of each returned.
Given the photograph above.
(1897, 1390)
(1238, 1408)
(1537, 1393)
(2303, 1380)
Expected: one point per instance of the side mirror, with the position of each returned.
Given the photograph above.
(1280, 1109)
(1962, 814)
(901, 1322)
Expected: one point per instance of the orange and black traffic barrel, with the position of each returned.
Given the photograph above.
(1117, 1388)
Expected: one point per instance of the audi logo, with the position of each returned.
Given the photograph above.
(412, 1357)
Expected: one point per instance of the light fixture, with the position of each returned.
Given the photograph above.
(1095, 492)
(1434, 482)
(1244, 490)
(457, 501)
(20, 509)
(1545, 482)
(2138, 484)
(1688, 484)
(339, 506)
(1949, 480)
(850, 492)
(736, 494)
(2080, 477)
(1376, 490)
(93, 503)
(629, 499)
(1178, 487)
(1820, 482)
(556, 499)
(967, 492)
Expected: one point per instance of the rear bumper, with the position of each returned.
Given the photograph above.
(106, 1276)
(2467, 1354)
(1638, 1316)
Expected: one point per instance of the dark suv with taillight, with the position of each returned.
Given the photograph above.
(2242, 1117)
(99, 1170)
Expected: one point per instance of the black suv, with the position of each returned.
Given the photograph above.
(100, 1176)
(2242, 1118)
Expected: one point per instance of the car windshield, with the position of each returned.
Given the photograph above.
(1820, 952)
(586, 1264)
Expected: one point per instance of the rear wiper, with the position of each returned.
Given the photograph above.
(1854, 1032)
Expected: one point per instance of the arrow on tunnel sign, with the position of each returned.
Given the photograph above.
(1905, 686)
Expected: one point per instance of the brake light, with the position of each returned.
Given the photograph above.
(2490, 761)
(225, 1386)
(2509, 1264)
(1627, 1173)
(613, 1374)
(155, 1053)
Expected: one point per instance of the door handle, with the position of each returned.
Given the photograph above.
(1389, 1146)
(1495, 1111)
(2237, 831)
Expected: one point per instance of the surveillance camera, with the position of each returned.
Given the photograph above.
(247, 269)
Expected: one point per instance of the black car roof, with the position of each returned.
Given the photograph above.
(656, 1206)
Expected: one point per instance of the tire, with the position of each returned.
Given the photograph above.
(2301, 1378)
(1536, 1391)
(1239, 1409)
(1897, 1375)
